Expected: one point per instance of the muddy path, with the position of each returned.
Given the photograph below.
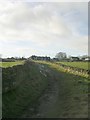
(63, 98)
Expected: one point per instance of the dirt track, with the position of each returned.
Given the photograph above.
(63, 98)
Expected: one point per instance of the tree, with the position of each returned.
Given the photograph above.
(61, 56)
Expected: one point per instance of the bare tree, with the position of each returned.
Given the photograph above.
(61, 56)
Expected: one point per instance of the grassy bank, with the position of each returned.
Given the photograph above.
(30, 86)
(72, 98)
(34, 78)
(59, 68)
(83, 65)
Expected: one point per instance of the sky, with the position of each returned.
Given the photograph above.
(43, 28)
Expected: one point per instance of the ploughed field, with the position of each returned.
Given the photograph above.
(38, 89)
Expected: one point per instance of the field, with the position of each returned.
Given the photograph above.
(10, 64)
(44, 90)
(83, 65)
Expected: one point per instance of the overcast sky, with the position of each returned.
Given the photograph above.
(43, 28)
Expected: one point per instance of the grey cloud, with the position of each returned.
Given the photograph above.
(43, 23)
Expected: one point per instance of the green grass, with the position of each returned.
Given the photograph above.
(30, 85)
(33, 83)
(10, 64)
(57, 67)
(73, 89)
(83, 65)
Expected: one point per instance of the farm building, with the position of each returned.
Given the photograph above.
(74, 59)
(87, 59)
(8, 60)
(55, 59)
(40, 58)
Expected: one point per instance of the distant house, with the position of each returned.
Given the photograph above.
(33, 57)
(87, 59)
(55, 59)
(8, 60)
(74, 59)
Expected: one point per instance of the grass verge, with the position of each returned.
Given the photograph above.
(31, 86)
